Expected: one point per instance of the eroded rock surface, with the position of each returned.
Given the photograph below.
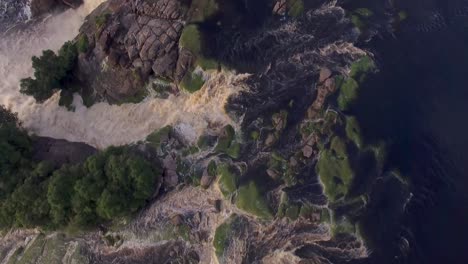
(129, 41)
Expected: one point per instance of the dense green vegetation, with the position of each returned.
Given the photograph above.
(111, 184)
(51, 72)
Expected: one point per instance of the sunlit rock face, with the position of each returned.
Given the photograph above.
(136, 39)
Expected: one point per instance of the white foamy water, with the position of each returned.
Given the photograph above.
(102, 125)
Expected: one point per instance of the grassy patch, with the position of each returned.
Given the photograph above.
(335, 170)
(250, 200)
(227, 181)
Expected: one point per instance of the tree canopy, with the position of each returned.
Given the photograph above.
(114, 183)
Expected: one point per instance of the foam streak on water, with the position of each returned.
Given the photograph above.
(101, 125)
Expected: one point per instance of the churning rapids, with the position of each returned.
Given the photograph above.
(101, 125)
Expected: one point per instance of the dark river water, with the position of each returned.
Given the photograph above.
(418, 103)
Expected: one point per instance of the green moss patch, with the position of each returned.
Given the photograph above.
(156, 138)
(250, 200)
(348, 93)
(227, 181)
(192, 82)
(295, 8)
(82, 44)
(226, 143)
(361, 68)
(191, 39)
(335, 170)
(200, 10)
(353, 131)
(224, 234)
(102, 19)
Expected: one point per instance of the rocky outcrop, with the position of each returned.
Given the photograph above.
(40, 7)
(129, 41)
(59, 151)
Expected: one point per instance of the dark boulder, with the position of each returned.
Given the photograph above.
(59, 151)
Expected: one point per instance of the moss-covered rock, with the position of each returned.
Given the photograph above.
(227, 181)
(295, 7)
(226, 143)
(335, 169)
(348, 92)
(82, 44)
(200, 10)
(156, 138)
(353, 131)
(251, 200)
(224, 235)
(361, 68)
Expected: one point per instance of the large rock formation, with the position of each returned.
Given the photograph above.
(59, 151)
(129, 41)
(39, 7)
